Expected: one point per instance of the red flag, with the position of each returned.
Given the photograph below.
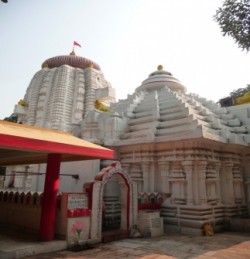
(77, 44)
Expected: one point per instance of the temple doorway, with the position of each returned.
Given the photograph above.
(114, 204)
(115, 209)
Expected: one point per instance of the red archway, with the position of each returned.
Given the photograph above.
(128, 197)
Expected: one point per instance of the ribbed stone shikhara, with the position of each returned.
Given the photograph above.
(63, 91)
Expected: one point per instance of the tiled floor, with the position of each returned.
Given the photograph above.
(223, 245)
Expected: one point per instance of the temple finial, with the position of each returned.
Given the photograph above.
(160, 68)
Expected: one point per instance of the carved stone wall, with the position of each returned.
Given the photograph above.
(202, 185)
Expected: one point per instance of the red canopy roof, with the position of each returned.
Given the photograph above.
(22, 144)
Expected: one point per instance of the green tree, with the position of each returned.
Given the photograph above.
(240, 92)
(12, 118)
(234, 20)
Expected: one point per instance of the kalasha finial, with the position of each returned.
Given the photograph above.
(72, 53)
(160, 68)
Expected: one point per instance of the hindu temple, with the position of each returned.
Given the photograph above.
(183, 159)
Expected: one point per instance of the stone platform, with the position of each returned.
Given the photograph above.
(18, 244)
(222, 245)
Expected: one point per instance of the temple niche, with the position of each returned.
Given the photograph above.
(182, 152)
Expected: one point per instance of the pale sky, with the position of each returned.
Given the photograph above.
(127, 38)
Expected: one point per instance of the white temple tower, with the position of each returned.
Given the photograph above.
(63, 91)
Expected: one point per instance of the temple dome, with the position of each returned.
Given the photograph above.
(71, 60)
(159, 79)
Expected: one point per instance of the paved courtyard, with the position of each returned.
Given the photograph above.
(223, 245)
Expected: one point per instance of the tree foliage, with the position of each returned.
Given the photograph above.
(11, 118)
(234, 20)
(240, 92)
(233, 99)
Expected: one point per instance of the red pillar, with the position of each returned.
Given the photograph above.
(48, 213)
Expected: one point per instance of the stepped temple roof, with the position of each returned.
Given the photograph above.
(160, 110)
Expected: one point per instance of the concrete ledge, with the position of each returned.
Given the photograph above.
(23, 249)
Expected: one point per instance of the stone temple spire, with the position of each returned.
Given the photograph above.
(63, 91)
